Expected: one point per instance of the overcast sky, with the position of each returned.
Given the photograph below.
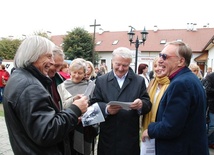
(20, 17)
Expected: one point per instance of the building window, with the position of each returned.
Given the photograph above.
(99, 42)
(115, 42)
(163, 41)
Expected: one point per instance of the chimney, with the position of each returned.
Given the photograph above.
(194, 27)
(100, 31)
(155, 28)
(188, 27)
(208, 25)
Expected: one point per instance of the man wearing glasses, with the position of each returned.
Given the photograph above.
(180, 127)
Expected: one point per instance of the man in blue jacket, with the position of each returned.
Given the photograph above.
(180, 127)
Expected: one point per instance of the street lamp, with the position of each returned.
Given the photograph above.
(137, 42)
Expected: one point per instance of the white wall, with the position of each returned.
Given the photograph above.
(8, 64)
(107, 56)
(210, 61)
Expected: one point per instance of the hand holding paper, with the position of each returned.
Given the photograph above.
(113, 109)
(137, 104)
(148, 147)
(124, 105)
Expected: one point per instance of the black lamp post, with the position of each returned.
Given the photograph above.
(137, 42)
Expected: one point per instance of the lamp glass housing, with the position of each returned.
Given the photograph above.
(144, 34)
(131, 35)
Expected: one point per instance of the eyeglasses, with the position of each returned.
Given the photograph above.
(165, 56)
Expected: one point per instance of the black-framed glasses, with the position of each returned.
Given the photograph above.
(165, 56)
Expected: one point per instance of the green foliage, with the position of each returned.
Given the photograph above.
(42, 34)
(78, 44)
(8, 48)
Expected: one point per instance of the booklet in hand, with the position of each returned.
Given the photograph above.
(93, 115)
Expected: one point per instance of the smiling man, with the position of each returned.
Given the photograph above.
(56, 78)
(119, 134)
(35, 125)
(180, 127)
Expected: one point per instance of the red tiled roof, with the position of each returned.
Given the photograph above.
(58, 39)
(197, 40)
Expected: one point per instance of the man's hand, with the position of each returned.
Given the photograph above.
(137, 104)
(82, 103)
(113, 109)
(78, 96)
(145, 135)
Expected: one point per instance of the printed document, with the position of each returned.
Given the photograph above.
(148, 147)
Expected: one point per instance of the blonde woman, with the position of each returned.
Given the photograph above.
(196, 70)
(156, 88)
(90, 73)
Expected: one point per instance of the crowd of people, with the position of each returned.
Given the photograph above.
(45, 98)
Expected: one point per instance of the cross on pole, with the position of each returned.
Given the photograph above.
(93, 51)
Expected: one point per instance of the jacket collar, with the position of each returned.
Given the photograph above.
(129, 75)
(180, 72)
(46, 81)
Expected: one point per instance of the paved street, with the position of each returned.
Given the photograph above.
(5, 148)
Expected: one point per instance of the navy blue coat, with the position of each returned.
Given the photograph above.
(181, 121)
(119, 134)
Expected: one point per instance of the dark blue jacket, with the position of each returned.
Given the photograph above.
(180, 127)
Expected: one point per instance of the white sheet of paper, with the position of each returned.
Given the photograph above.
(147, 147)
(124, 105)
(89, 89)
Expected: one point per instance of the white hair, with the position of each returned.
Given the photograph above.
(123, 52)
(77, 64)
(58, 51)
(30, 50)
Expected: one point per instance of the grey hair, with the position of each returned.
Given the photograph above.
(123, 52)
(183, 50)
(31, 49)
(58, 51)
(77, 64)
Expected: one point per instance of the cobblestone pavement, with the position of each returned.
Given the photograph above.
(5, 148)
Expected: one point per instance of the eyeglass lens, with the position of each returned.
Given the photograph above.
(164, 56)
